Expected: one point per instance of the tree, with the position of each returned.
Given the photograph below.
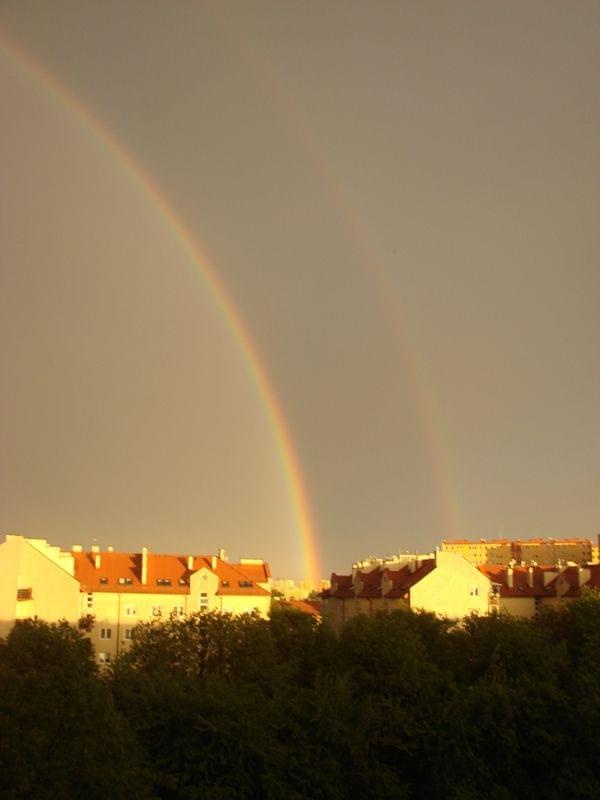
(60, 735)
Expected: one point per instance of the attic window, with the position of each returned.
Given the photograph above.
(104, 580)
(23, 594)
(183, 581)
(125, 581)
(245, 584)
(224, 583)
(163, 581)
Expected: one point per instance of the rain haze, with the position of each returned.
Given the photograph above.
(310, 281)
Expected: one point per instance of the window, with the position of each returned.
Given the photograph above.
(178, 611)
(130, 611)
(183, 581)
(474, 591)
(245, 584)
(104, 580)
(203, 601)
(155, 611)
(23, 594)
(129, 633)
(163, 581)
(125, 581)
(105, 633)
(224, 583)
(104, 658)
(90, 600)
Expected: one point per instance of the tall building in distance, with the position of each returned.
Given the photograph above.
(499, 552)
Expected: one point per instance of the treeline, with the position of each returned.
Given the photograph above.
(402, 706)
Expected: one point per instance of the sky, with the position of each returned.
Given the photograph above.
(308, 281)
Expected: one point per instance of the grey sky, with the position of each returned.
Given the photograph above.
(403, 201)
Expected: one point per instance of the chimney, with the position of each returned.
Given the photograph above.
(95, 548)
(76, 548)
(97, 560)
(213, 562)
(110, 548)
(144, 565)
(530, 577)
(190, 563)
(509, 577)
(222, 554)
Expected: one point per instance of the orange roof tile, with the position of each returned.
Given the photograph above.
(167, 574)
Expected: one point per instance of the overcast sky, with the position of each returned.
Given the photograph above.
(402, 199)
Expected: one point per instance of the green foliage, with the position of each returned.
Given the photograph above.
(404, 705)
(60, 735)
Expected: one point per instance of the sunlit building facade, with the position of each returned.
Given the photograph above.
(107, 593)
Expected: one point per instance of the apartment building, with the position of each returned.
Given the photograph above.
(524, 591)
(107, 593)
(502, 551)
(445, 583)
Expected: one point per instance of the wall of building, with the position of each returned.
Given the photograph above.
(518, 606)
(54, 592)
(455, 588)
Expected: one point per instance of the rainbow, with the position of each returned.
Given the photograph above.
(339, 197)
(222, 298)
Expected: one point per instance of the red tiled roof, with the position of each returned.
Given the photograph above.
(341, 586)
(169, 569)
(403, 579)
(520, 588)
(371, 583)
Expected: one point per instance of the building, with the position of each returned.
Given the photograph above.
(524, 591)
(502, 551)
(444, 583)
(290, 590)
(107, 593)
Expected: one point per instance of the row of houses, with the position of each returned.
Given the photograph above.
(106, 593)
(448, 584)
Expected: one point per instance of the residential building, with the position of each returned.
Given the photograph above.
(109, 592)
(445, 583)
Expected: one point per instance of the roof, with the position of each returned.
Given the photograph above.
(341, 586)
(167, 574)
(312, 607)
(371, 583)
(402, 580)
(520, 580)
(538, 540)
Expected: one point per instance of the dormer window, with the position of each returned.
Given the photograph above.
(163, 581)
(125, 581)
(245, 584)
(183, 581)
(104, 580)
(224, 583)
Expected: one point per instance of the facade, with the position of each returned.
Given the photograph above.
(108, 593)
(496, 552)
(445, 583)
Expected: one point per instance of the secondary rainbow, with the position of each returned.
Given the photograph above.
(339, 197)
(222, 298)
